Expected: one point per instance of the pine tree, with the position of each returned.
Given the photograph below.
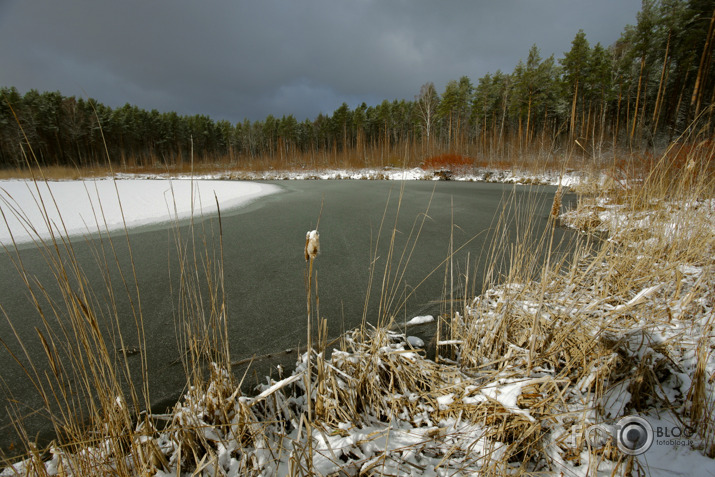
(575, 65)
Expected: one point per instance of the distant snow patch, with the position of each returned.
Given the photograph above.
(418, 320)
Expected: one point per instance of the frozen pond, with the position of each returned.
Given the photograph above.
(264, 269)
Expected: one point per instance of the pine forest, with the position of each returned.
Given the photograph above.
(653, 86)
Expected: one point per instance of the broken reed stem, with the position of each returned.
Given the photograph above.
(309, 337)
(309, 371)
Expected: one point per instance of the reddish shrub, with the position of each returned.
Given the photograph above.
(681, 154)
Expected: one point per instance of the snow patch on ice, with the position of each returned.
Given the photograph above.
(415, 342)
(418, 320)
(91, 206)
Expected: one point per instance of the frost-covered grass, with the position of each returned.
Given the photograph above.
(622, 327)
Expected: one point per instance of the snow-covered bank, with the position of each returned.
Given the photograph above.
(513, 176)
(81, 207)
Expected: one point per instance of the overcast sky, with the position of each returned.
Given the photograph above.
(234, 59)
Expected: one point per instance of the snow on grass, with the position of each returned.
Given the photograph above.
(513, 176)
(86, 206)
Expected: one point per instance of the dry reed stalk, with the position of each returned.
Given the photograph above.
(88, 356)
(97, 420)
(572, 344)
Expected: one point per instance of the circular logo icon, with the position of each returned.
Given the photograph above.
(634, 435)
(598, 435)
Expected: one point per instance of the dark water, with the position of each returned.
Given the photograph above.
(264, 271)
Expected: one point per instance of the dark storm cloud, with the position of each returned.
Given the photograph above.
(234, 60)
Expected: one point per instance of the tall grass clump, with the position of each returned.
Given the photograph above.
(660, 260)
(92, 393)
(623, 325)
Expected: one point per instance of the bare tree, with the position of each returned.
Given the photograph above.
(427, 102)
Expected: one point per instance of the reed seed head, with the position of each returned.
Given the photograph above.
(312, 245)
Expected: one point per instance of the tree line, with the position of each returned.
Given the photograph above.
(643, 91)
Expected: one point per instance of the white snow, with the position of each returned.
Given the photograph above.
(418, 320)
(415, 341)
(511, 176)
(88, 206)
(507, 392)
